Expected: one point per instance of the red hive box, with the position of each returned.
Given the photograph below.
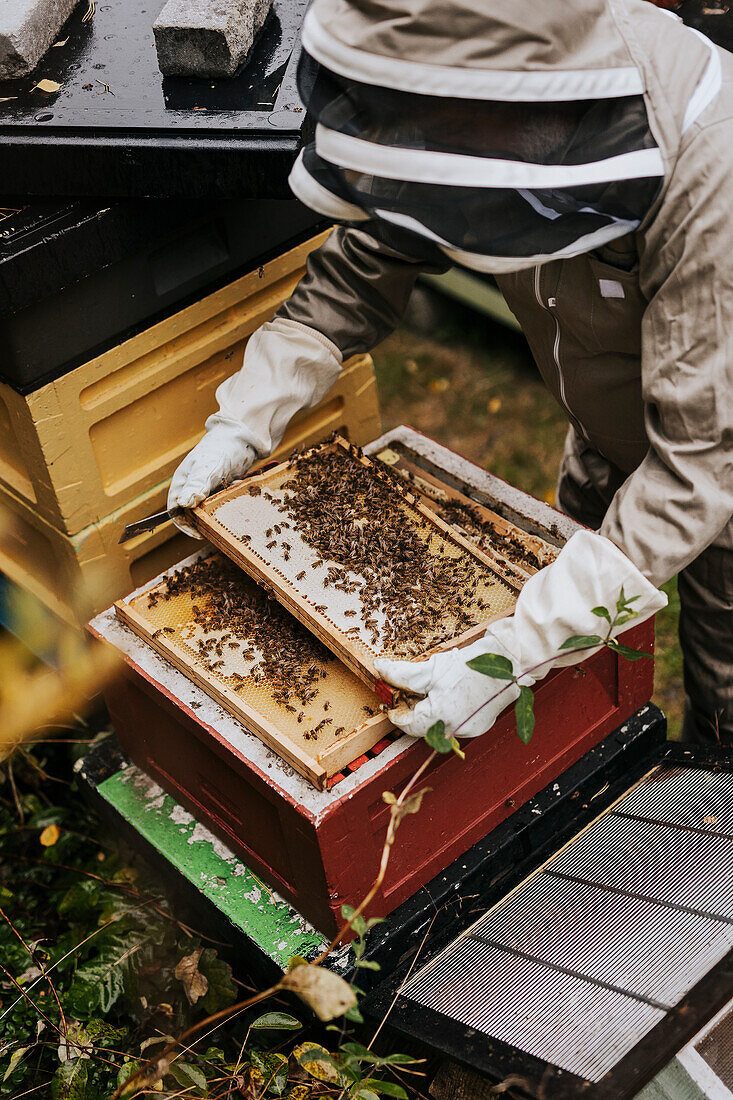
(320, 849)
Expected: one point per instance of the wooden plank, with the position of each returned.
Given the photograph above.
(353, 655)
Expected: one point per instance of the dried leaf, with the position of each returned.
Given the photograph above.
(62, 42)
(194, 983)
(325, 993)
(49, 86)
(411, 805)
(50, 835)
(7, 98)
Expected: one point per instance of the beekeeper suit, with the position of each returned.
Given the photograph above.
(581, 151)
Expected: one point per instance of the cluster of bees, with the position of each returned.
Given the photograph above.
(481, 531)
(370, 540)
(235, 614)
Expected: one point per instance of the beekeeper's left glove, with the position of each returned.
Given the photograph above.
(562, 601)
(287, 367)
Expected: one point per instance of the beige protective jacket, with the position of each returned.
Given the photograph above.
(634, 335)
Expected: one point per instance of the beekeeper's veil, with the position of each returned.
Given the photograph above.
(504, 132)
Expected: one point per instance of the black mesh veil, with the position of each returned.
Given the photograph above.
(491, 179)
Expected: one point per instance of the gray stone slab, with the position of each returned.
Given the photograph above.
(27, 29)
(207, 38)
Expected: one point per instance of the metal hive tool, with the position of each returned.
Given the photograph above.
(238, 520)
(169, 626)
(581, 961)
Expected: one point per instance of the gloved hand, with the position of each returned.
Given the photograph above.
(287, 366)
(555, 604)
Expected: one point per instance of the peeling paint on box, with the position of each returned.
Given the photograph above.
(271, 923)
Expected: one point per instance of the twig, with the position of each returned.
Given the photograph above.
(403, 983)
(32, 1003)
(126, 890)
(112, 920)
(384, 861)
(41, 967)
(14, 789)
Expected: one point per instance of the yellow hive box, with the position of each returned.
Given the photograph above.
(78, 575)
(94, 440)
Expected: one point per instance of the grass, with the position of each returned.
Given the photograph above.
(473, 386)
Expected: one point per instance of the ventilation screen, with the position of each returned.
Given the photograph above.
(581, 961)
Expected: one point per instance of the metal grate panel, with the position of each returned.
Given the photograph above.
(692, 799)
(544, 1012)
(644, 948)
(657, 861)
(586, 956)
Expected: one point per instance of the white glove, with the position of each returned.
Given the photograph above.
(555, 604)
(287, 366)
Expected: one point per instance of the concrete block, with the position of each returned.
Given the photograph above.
(208, 38)
(27, 29)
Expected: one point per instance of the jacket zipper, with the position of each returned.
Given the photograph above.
(547, 306)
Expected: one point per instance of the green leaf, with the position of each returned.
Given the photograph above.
(363, 1093)
(354, 1016)
(491, 664)
(359, 925)
(95, 988)
(15, 1059)
(80, 900)
(189, 1076)
(277, 1021)
(156, 1040)
(70, 1080)
(436, 738)
(274, 1069)
(360, 1052)
(222, 991)
(601, 613)
(399, 1060)
(581, 641)
(125, 1073)
(367, 964)
(103, 1034)
(624, 602)
(215, 1054)
(626, 652)
(524, 711)
(386, 1088)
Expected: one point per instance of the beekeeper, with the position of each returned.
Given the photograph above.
(582, 152)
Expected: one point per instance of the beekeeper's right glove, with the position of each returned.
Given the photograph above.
(287, 366)
(567, 600)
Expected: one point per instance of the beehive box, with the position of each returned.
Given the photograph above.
(78, 575)
(86, 445)
(321, 848)
(357, 558)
